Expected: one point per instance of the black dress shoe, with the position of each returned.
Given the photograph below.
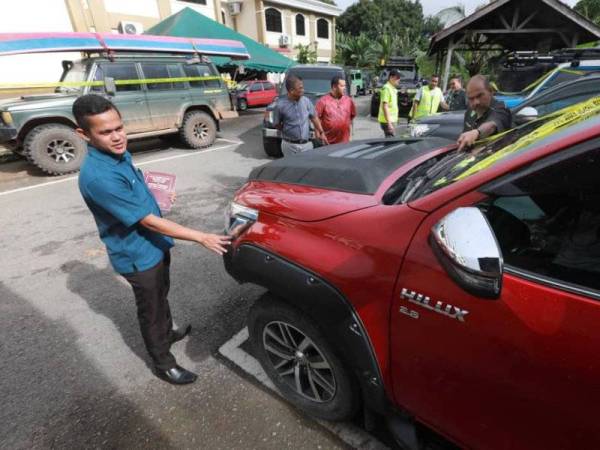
(176, 375)
(177, 335)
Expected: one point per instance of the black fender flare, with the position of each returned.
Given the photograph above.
(322, 302)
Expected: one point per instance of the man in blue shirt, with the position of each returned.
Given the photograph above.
(137, 237)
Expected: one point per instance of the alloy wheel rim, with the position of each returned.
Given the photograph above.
(201, 130)
(299, 362)
(61, 151)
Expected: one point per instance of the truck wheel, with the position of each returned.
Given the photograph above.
(374, 106)
(198, 130)
(54, 148)
(272, 147)
(300, 362)
(242, 104)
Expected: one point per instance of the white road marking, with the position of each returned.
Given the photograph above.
(230, 141)
(71, 178)
(347, 432)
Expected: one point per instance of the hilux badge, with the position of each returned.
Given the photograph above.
(443, 308)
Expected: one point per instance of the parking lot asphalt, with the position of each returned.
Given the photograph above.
(75, 368)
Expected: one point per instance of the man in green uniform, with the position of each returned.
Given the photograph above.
(428, 99)
(388, 106)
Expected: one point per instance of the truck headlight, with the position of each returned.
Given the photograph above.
(238, 219)
(421, 129)
(7, 118)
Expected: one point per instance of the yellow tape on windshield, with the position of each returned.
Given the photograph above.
(101, 83)
(566, 116)
(543, 78)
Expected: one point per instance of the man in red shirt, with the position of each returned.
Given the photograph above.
(336, 112)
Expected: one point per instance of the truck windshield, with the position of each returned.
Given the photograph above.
(317, 82)
(449, 168)
(73, 77)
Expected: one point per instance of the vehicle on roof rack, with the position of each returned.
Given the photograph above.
(160, 85)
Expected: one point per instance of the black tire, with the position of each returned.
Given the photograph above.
(374, 105)
(198, 130)
(242, 104)
(329, 391)
(54, 148)
(272, 147)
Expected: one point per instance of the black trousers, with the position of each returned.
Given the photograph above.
(151, 288)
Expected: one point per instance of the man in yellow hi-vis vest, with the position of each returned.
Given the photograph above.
(427, 99)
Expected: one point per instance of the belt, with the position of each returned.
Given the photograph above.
(300, 141)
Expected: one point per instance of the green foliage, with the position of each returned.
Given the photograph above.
(373, 30)
(589, 9)
(307, 54)
(379, 17)
(357, 51)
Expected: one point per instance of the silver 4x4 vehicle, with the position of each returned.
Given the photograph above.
(42, 127)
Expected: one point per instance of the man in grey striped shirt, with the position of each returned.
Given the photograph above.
(292, 115)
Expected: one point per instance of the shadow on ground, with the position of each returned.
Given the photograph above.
(53, 396)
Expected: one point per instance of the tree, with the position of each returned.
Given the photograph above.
(307, 54)
(355, 51)
(377, 17)
(589, 9)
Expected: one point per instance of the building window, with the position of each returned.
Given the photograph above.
(199, 2)
(223, 17)
(300, 30)
(322, 29)
(273, 20)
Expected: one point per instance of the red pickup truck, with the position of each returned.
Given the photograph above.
(456, 289)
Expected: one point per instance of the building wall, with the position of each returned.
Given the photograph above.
(208, 10)
(325, 47)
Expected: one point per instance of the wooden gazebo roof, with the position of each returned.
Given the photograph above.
(518, 25)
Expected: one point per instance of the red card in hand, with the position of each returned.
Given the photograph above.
(161, 185)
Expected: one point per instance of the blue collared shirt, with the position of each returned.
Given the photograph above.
(116, 194)
(293, 117)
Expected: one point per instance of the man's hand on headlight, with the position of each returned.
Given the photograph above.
(214, 242)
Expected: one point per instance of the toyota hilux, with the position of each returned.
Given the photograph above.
(460, 290)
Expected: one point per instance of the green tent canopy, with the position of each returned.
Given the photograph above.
(189, 23)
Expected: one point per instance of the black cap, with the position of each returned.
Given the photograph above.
(394, 73)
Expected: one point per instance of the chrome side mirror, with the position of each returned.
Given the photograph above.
(466, 247)
(527, 114)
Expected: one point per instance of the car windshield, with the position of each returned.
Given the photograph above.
(75, 74)
(449, 168)
(317, 82)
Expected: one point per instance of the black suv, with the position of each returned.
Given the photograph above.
(317, 82)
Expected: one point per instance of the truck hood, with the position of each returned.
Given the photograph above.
(28, 102)
(301, 203)
(333, 180)
(447, 118)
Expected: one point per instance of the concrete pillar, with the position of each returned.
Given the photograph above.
(164, 8)
(333, 39)
(447, 65)
(99, 16)
(259, 7)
